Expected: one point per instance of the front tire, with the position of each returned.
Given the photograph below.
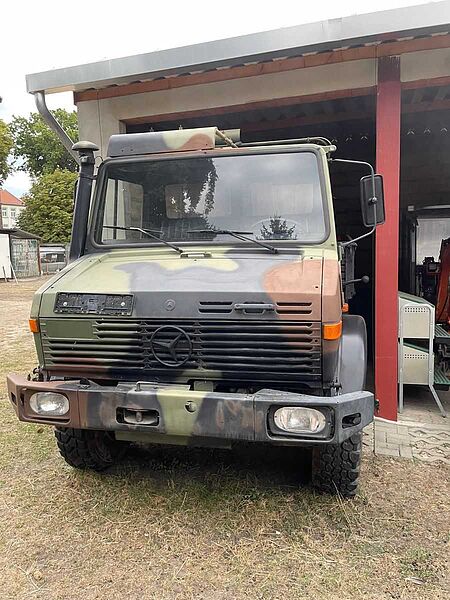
(88, 449)
(336, 467)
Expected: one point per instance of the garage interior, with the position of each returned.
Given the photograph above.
(350, 124)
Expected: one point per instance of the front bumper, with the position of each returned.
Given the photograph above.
(173, 413)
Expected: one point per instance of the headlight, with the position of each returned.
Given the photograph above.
(49, 403)
(298, 419)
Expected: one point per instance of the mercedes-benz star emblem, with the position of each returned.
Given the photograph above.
(171, 346)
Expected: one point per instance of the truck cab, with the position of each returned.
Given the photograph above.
(203, 305)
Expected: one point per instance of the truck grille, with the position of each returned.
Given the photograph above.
(281, 308)
(257, 350)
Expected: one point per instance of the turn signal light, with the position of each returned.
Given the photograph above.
(34, 325)
(332, 331)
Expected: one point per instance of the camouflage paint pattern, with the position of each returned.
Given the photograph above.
(156, 142)
(189, 417)
(302, 283)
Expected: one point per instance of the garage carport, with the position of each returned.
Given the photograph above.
(378, 85)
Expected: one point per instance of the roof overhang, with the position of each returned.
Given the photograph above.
(414, 21)
(19, 233)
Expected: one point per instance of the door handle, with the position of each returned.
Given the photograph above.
(254, 307)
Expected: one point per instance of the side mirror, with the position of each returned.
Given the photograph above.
(372, 213)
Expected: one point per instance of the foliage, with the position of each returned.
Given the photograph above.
(6, 143)
(49, 207)
(37, 148)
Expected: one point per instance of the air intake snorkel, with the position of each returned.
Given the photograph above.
(83, 154)
(82, 203)
(67, 142)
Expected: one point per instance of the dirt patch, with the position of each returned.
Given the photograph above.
(184, 523)
(22, 290)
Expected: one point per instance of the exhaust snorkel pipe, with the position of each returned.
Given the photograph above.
(39, 98)
(83, 154)
(82, 202)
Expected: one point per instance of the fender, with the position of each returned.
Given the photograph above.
(353, 354)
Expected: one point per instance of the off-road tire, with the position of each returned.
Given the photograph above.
(335, 467)
(88, 449)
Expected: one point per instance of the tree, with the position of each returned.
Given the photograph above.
(49, 207)
(37, 149)
(6, 143)
(278, 229)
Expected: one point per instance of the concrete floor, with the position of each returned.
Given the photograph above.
(419, 404)
(420, 407)
(420, 433)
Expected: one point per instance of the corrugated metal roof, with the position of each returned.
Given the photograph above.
(357, 30)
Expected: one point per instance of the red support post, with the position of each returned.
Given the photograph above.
(388, 114)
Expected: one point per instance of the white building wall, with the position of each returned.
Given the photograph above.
(426, 64)
(10, 214)
(5, 256)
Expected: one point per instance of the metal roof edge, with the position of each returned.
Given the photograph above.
(19, 233)
(415, 20)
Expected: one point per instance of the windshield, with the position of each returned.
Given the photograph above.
(264, 196)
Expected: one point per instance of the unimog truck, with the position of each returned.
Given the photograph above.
(204, 305)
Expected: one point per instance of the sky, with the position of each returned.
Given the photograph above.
(39, 36)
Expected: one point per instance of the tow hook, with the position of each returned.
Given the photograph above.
(133, 416)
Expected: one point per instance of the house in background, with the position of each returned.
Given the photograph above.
(11, 207)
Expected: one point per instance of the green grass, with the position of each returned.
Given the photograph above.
(419, 563)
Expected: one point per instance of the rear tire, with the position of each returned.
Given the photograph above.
(88, 449)
(336, 467)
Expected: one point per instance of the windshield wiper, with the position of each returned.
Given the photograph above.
(146, 232)
(240, 235)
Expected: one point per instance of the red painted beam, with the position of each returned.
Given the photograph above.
(388, 112)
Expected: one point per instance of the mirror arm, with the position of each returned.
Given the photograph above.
(364, 235)
(373, 200)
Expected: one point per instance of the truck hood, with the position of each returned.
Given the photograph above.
(168, 286)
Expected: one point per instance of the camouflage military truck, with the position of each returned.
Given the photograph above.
(203, 305)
